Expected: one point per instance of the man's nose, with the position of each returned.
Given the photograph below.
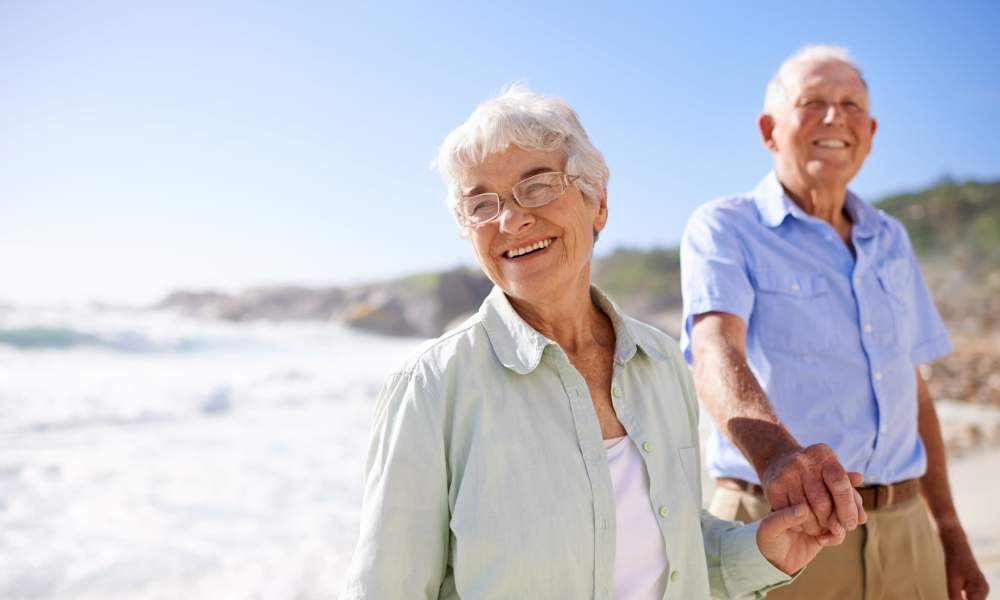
(834, 114)
(514, 217)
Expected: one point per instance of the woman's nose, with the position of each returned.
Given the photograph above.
(514, 217)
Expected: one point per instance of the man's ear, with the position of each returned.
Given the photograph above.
(765, 124)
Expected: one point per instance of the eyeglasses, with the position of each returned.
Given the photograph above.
(537, 190)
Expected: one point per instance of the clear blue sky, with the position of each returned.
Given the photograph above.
(148, 146)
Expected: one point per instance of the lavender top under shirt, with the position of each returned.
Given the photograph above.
(641, 564)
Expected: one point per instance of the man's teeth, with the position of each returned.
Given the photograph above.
(536, 246)
(831, 143)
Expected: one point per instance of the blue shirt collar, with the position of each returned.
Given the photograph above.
(774, 204)
(519, 347)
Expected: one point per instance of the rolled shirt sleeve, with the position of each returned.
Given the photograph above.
(714, 273)
(403, 544)
(929, 338)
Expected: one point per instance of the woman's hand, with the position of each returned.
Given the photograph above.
(791, 550)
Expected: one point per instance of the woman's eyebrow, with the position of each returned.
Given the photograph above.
(481, 189)
(536, 171)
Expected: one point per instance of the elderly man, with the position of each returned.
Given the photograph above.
(805, 317)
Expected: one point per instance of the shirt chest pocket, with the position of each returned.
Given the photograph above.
(894, 276)
(792, 312)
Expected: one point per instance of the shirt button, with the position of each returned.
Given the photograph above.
(857, 281)
(795, 287)
(616, 392)
(884, 428)
(868, 328)
(829, 237)
(664, 511)
(675, 576)
(647, 446)
(878, 376)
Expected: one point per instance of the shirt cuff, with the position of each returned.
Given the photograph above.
(930, 350)
(745, 569)
(704, 304)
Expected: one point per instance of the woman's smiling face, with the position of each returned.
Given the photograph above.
(533, 253)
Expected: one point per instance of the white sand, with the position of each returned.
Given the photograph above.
(975, 482)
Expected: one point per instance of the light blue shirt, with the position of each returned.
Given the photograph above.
(487, 476)
(832, 339)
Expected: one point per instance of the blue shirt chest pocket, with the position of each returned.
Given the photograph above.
(792, 312)
(894, 276)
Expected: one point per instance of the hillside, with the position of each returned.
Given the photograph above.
(954, 227)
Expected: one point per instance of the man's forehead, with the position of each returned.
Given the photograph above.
(819, 75)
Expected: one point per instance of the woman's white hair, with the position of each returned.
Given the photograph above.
(528, 120)
(779, 89)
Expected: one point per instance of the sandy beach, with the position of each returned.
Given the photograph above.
(975, 478)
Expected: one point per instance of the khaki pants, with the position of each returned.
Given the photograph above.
(896, 555)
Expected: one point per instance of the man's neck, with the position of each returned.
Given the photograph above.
(826, 203)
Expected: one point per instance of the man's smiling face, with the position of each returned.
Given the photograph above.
(823, 133)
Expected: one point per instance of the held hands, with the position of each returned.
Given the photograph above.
(814, 478)
(791, 550)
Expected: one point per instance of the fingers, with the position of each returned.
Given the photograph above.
(842, 492)
(819, 501)
(976, 587)
(862, 515)
(955, 585)
(813, 476)
(779, 522)
(857, 479)
(980, 592)
(811, 526)
(835, 536)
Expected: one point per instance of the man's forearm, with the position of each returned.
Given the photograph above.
(737, 403)
(934, 483)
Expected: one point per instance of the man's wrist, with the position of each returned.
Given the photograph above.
(782, 447)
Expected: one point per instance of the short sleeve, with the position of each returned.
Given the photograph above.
(403, 546)
(927, 332)
(714, 273)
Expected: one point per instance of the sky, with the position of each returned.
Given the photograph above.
(147, 147)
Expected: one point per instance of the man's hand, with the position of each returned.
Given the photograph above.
(964, 575)
(791, 550)
(789, 474)
(813, 476)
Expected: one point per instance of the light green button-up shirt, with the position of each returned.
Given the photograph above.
(487, 476)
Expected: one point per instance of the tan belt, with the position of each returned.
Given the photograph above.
(873, 497)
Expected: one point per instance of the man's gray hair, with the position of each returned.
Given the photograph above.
(779, 88)
(528, 120)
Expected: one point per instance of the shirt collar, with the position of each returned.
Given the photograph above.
(519, 347)
(774, 204)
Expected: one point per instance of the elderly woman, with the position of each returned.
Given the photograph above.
(547, 447)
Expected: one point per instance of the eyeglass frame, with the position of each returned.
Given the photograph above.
(567, 180)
